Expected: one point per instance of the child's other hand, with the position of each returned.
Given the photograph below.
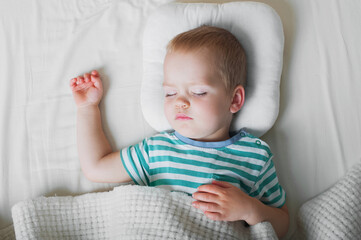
(222, 201)
(87, 89)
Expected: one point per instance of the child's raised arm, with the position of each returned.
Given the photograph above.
(98, 162)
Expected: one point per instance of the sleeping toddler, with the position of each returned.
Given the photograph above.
(231, 176)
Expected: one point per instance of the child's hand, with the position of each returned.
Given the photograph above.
(87, 89)
(223, 202)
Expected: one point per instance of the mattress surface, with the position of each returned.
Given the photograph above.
(43, 44)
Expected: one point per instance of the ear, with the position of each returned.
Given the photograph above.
(237, 99)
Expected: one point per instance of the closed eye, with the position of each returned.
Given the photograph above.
(200, 93)
(170, 94)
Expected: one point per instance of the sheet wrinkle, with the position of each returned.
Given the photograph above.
(11, 106)
(354, 83)
(82, 9)
(347, 61)
(325, 81)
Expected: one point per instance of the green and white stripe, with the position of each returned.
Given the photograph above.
(171, 161)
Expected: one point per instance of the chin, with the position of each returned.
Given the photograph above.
(188, 133)
(195, 135)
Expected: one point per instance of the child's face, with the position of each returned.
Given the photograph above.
(197, 104)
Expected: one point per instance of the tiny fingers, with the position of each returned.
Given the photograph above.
(211, 188)
(205, 197)
(79, 80)
(95, 73)
(87, 77)
(85, 81)
(214, 216)
(73, 82)
(204, 206)
(211, 210)
(95, 78)
(222, 184)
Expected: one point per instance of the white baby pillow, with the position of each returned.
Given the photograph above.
(259, 29)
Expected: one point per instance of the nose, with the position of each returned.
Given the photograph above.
(182, 102)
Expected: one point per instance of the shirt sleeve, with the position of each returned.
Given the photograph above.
(136, 162)
(267, 188)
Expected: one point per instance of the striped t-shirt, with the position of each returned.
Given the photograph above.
(172, 161)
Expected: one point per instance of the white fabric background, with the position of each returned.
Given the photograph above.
(43, 44)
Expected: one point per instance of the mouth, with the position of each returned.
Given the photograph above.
(182, 116)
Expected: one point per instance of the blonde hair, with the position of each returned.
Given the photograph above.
(227, 51)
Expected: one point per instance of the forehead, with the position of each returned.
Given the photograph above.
(201, 58)
(195, 66)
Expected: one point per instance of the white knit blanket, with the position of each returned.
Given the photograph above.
(127, 212)
(336, 213)
(133, 212)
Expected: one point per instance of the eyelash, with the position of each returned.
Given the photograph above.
(200, 94)
(170, 94)
(197, 94)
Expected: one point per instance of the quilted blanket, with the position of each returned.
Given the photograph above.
(126, 212)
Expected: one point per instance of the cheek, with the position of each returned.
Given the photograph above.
(167, 109)
(213, 108)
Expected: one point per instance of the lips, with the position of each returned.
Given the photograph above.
(182, 116)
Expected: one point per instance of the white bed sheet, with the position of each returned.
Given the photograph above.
(43, 44)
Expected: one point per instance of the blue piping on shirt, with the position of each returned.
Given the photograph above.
(219, 144)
